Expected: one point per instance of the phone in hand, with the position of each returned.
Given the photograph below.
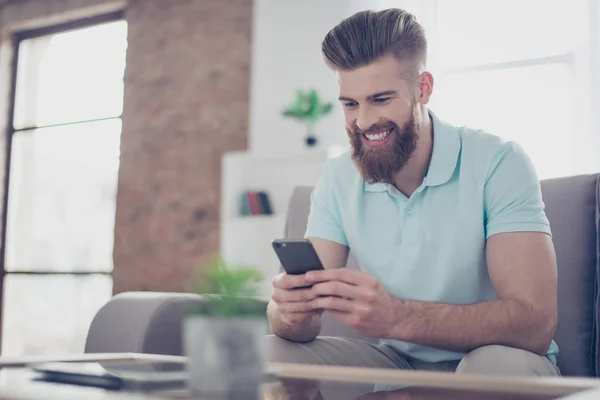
(297, 256)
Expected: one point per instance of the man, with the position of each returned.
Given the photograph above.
(458, 271)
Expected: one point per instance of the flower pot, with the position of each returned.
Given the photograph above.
(227, 355)
(311, 140)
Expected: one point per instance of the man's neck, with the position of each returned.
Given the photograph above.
(410, 177)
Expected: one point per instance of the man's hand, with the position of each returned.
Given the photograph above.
(294, 304)
(356, 299)
(291, 313)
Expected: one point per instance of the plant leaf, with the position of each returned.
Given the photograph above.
(326, 108)
(292, 113)
(229, 289)
(307, 107)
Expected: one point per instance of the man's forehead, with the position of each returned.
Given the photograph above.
(362, 87)
(382, 75)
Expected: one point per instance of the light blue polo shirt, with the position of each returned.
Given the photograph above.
(431, 246)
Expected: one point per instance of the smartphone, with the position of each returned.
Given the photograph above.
(297, 256)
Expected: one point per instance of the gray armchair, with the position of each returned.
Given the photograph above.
(151, 322)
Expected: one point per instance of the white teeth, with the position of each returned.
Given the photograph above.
(378, 136)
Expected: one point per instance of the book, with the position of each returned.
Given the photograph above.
(266, 204)
(255, 203)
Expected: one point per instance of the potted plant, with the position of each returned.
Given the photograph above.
(225, 335)
(308, 108)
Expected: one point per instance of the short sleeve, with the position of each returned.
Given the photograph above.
(324, 219)
(513, 196)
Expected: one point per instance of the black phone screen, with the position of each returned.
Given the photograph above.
(297, 256)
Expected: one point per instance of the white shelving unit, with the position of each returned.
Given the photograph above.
(247, 239)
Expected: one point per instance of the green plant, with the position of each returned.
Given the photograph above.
(308, 108)
(229, 290)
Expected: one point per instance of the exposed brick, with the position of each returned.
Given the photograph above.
(186, 103)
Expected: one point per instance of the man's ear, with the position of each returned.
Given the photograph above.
(425, 87)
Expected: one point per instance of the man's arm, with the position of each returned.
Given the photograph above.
(297, 328)
(289, 312)
(521, 264)
(332, 254)
(522, 267)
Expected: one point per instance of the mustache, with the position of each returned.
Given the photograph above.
(374, 128)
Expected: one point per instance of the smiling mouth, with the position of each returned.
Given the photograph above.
(377, 136)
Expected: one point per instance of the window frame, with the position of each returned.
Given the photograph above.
(583, 60)
(15, 41)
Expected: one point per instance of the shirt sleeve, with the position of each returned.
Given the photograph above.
(513, 196)
(324, 220)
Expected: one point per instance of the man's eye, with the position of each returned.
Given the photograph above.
(381, 100)
(350, 104)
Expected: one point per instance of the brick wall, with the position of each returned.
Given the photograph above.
(186, 103)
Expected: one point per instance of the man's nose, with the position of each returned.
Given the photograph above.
(366, 119)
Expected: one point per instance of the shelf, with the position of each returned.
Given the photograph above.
(275, 175)
(252, 218)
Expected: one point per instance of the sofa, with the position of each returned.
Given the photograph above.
(147, 322)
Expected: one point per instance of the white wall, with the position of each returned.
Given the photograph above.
(286, 56)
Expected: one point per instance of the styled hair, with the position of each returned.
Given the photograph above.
(369, 35)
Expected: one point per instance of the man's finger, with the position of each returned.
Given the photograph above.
(334, 303)
(349, 276)
(286, 281)
(342, 289)
(286, 295)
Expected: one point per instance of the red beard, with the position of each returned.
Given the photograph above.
(379, 165)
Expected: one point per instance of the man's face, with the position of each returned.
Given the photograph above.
(381, 107)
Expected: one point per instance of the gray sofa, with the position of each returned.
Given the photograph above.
(151, 322)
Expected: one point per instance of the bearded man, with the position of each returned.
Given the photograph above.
(457, 266)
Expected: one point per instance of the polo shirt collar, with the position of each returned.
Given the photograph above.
(446, 148)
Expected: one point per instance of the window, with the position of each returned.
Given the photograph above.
(521, 70)
(64, 161)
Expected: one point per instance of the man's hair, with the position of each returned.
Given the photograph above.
(369, 35)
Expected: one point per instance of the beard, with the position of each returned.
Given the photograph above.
(379, 165)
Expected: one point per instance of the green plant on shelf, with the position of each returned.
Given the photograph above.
(308, 108)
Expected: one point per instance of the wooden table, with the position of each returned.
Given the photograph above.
(399, 384)
(295, 381)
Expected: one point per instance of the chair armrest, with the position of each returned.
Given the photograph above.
(141, 322)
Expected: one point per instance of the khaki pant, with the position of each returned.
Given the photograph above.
(494, 359)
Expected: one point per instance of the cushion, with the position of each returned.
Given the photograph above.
(141, 322)
(572, 208)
